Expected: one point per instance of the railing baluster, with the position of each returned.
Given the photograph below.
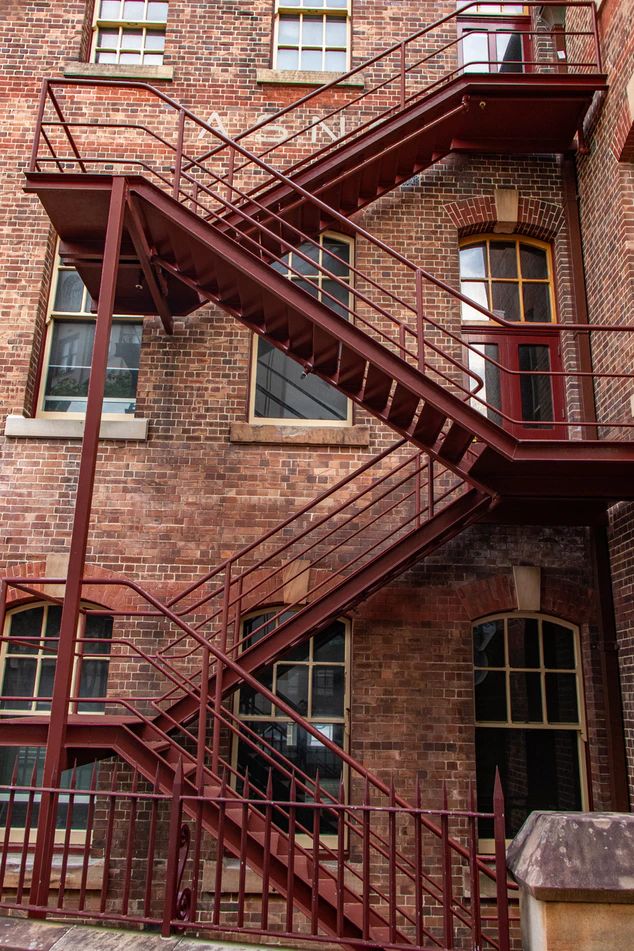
(392, 863)
(178, 163)
(112, 808)
(341, 849)
(8, 820)
(418, 867)
(314, 895)
(129, 852)
(290, 870)
(92, 796)
(151, 846)
(420, 320)
(474, 875)
(242, 870)
(366, 861)
(67, 835)
(447, 885)
(173, 851)
(266, 859)
(499, 831)
(220, 842)
(27, 835)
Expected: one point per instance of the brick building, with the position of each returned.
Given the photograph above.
(366, 437)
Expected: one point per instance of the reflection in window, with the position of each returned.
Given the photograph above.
(510, 276)
(311, 678)
(308, 39)
(20, 762)
(283, 392)
(69, 353)
(528, 716)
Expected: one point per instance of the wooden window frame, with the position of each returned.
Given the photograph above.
(580, 726)
(300, 10)
(55, 316)
(124, 26)
(492, 24)
(281, 421)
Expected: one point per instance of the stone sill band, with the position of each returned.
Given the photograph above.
(24, 427)
(306, 77)
(354, 436)
(119, 71)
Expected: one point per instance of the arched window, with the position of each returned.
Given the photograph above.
(529, 716)
(512, 276)
(313, 679)
(280, 390)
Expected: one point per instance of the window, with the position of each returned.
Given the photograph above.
(513, 278)
(68, 353)
(129, 32)
(528, 716)
(494, 38)
(29, 654)
(308, 39)
(281, 392)
(313, 679)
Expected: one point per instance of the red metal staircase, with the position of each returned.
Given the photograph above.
(234, 227)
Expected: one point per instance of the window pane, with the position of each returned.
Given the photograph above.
(98, 633)
(523, 635)
(536, 393)
(283, 392)
(106, 57)
(157, 11)
(336, 31)
(110, 10)
(255, 627)
(19, 681)
(537, 302)
(475, 291)
(133, 10)
(93, 683)
(288, 31)
(473, 261)
(509, 52)
(253, 703)
(338, 260)
(561, 698)
(45, 686)
(337, 297)
(503, 258)
(330, 644)
(311, 59)
(313, 31)
(154, 40)
(108, 39)
(539, 769)
(526, 698)
(335, 61)
(488, 396)
(475, 52)
(69, 294)
(488, 644)
(490, 696)
(129, 57)
(533, 262)
(132, 40)
(328, 691)
(559, 646)
(506, 300)
(292, 686)
(26, 624)
(287, 59)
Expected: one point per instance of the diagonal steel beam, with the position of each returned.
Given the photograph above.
(136, 229)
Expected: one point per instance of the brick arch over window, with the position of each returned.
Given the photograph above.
(536, 218)
(114, 597)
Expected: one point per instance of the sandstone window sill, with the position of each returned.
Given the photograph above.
(354, 436)
(305, 77)
(119, 71)
(23, 427)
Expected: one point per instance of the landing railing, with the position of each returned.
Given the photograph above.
(410, 312)
(130, 853)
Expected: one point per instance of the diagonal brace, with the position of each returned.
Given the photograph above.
(144, 252)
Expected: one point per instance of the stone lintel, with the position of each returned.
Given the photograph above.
(298, 435)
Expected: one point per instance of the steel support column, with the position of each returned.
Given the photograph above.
(54, 759)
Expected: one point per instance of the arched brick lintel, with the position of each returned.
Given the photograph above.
(536, 218)
(113, 596)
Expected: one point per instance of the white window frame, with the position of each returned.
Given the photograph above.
(300, 9)
(122, 26)
(297, 421)
(82, 316)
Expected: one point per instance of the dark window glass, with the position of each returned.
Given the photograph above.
(523, 634)
(535, 390)
(559, 646)
(526, 697)
(488, 644)
(537, 303)
(561, 698)
(490, 696)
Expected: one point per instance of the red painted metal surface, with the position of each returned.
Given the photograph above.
(159, 892)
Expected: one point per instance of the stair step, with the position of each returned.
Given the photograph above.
(351, 372)
(228, 281)
(377, 388)
(388, 170)
(325, 351)
(428, 425)
(300, 335)
(403, 407)
(276, 326)
(455, 443)
(350, 194)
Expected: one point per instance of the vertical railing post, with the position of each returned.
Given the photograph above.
(178, 164)
(54, 759)
(230, 174)
(499, 831)
(430, 487)
(474, 872)
(595, 30)
(173, 851)
(402, 74)
(420, 322)
(226, 602)
(4, 590)
(447, 885)
(35, 148)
